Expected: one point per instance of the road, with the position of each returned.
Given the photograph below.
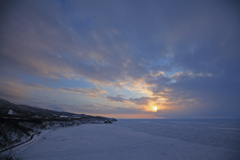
(20, 143)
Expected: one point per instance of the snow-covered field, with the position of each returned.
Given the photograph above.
(139, 140)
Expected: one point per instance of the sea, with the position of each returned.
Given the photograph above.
(140, 139)
(212, 132)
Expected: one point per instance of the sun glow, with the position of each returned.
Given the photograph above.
(155, 109)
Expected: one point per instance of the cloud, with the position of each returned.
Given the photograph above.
(101, 109)
(190, 74)
(168, 53)
(138, 101)
(89, 92)
(10, 90)
(38, 86)
(116, 99)
(142, 100)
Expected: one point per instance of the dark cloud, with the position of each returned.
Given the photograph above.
(138, 101)
(116, 99)
(142, 100)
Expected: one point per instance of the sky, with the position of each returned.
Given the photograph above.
(122, 58)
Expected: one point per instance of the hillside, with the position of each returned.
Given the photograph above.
(19, 122)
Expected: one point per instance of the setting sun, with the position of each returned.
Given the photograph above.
(155, 108)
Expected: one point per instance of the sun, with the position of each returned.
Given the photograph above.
(155, 109)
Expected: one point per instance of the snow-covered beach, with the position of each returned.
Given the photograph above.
(139, 140)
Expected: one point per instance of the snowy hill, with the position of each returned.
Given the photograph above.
(19, 122)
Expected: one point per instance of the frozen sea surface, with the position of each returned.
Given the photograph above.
(140, 140)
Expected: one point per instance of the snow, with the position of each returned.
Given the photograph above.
(36, 116)
(139, 140)
(63, 116)
(11, 112)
